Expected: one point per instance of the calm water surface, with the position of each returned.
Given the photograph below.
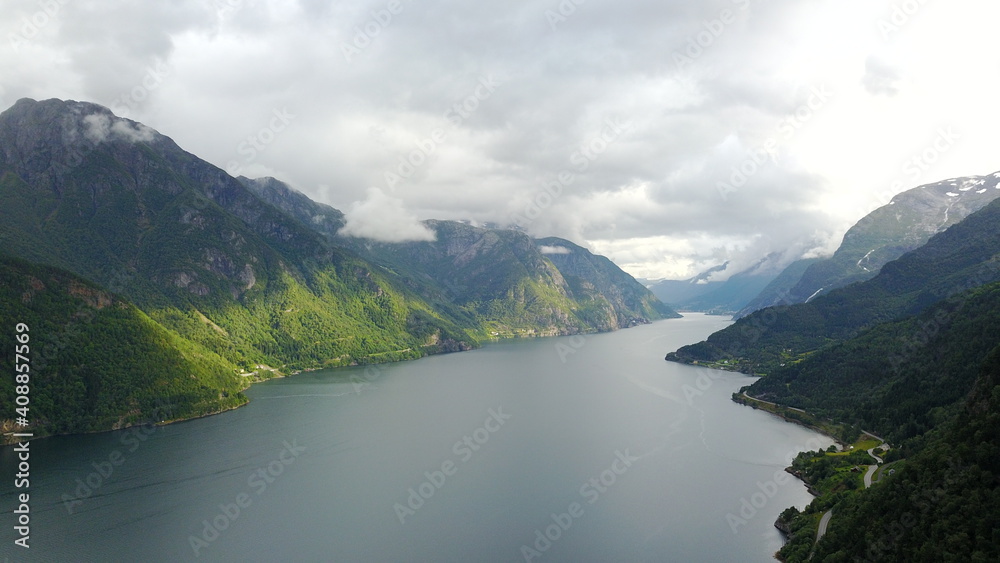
(565, 449)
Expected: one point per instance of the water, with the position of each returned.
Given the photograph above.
(503, 442)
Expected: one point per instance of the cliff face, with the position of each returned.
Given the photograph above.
(591, 276)
(513, 285)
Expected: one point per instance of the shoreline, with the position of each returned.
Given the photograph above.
(277, 374)
(754, 403)
(743, 398)
(781, 411)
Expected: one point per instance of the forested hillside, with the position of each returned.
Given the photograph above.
(97, 362)
(964, 256)
(938, 505)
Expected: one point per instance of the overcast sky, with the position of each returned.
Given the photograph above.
(622, 125)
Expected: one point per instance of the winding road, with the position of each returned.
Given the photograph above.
(825, 520)
(871, 468)
(823, 523)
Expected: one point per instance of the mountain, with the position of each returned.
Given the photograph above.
(97, 362)
(126, 208)
(912, 354)
(254, 278)
(503, 279)
(898, 379)
(317, 216)
(677, 292)
(905, 223)
(499, 278)
(595, 278)
(702, 294)
(962, 257)
(733, 294)
(778, 290)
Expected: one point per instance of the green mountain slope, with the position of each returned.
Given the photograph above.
(193, 248)
(962, 257)
(940, 504)
(501, 279)
(594, 278)
(97, 362)
(491, 277)
(914, 356)
(899, 379)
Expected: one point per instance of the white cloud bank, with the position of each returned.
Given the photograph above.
(554, 250)
(100, 128)
(383, 218)
(678, 134)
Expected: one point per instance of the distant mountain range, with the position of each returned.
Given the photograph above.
(482, 268)
(960, 258)
(905, 223)
(701, 293)
(232, 280)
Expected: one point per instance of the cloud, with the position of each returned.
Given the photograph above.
(383, 218)
(211, 75)
(99, 128)
(554, 250)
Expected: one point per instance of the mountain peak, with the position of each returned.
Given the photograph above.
(53, 133)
